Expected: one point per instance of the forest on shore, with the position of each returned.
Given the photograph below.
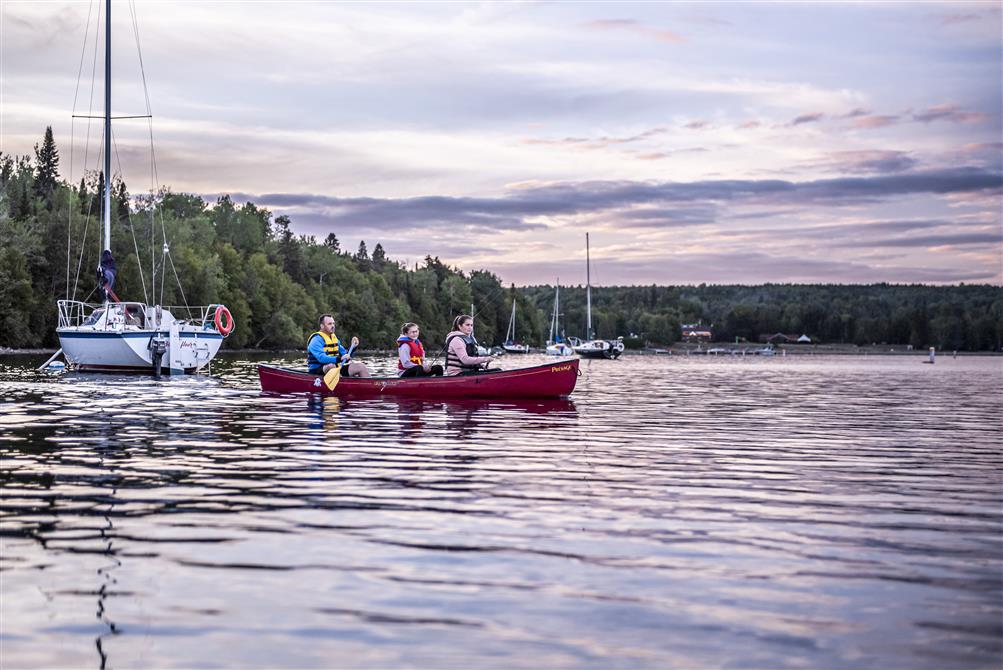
(276, 283)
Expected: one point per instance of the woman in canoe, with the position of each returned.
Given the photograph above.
(411, 355)
(461, 348)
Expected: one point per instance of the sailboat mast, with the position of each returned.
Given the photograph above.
(107, 126)
(588, 291)
(513, 319)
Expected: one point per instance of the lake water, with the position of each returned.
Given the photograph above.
(827, 512)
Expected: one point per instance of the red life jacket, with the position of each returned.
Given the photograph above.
(417, 351)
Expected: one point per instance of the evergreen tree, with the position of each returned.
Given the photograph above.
(86, 198)
(289, 249)
(46, 167)
(379, 257)
(121, 200)
(362, 254)
(21, 205)
(97, 208)
(6, 170)
(331, 242)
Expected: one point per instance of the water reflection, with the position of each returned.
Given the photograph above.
(724, 512)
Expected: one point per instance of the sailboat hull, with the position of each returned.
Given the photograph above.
(608, 349)
(129, 351)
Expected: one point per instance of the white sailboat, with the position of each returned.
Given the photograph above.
(510, 345)
(591, 347)
(116, 336)
(556, 346)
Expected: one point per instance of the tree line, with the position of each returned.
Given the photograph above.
(276, 283)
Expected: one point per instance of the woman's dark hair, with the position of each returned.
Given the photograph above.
(460, 320)
(407, 326)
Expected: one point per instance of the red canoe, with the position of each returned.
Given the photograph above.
(553, 380)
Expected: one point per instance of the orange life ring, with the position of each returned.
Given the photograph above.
(224, 330)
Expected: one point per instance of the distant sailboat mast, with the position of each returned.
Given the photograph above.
(588, 292)
(510, 339)
(554, 334)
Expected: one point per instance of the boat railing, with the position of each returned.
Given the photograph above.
(74, 313)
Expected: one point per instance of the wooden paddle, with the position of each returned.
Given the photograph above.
(333, 375)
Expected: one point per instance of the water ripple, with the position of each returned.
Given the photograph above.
(786, 512)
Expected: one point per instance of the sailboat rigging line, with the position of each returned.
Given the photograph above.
(69, 219)
(180, 288)
(76, 94)
(83, 51)
(163, 262)
(154, 175)
(132, 229)
(83, 241)
(114, 118)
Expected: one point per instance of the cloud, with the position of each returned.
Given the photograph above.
(814, 117)
(529, 207)
(859, 230)
(875, 121)
(949, 112)
(697, 125)
(598, 142)
(741, 267)
(859, 111)
(952, 19)
(638, 28)
(749, 125)
(945, 240)
(664, 217)
(875, 161)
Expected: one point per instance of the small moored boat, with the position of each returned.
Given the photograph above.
(552, 380)
(510, 345)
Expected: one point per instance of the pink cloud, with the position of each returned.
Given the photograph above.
(634, 26)
(596, 143)
(950, 19)
(949, 112)
(875, 121)
(749, 125)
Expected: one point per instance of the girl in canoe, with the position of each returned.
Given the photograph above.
(461, 348)
(411, 355)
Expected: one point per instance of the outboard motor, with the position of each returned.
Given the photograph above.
(158, 347)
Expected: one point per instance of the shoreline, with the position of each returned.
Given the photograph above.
(684, 349)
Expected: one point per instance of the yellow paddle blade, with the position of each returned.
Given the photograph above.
(332, 377)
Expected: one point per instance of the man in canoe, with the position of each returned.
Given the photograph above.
(461, 348)
(324, 352)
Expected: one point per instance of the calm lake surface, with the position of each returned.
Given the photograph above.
(826, 512)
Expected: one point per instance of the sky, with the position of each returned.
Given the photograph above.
(717, 142)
